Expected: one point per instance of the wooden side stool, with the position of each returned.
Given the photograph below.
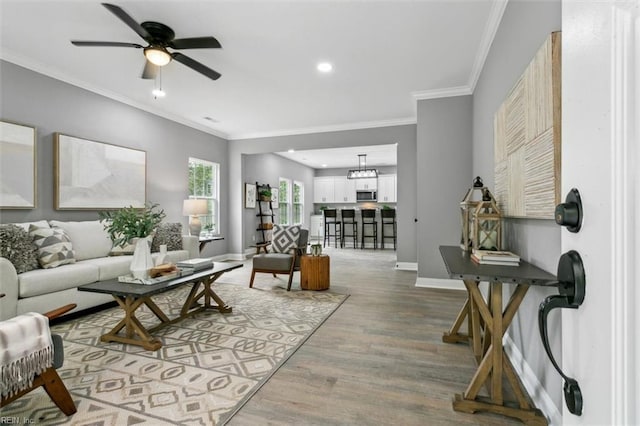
(314, 272)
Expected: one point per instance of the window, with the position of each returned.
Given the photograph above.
(298, 203)
(204, 183)
(284, 202)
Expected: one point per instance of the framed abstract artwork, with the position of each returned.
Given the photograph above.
(17, 166)
(527, 138)
(249, 196)
(92, 175)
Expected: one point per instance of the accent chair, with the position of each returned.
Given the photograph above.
(287, 245)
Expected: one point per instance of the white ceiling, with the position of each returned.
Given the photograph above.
(386, 54)
(377, 155)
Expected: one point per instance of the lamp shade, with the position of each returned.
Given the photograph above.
(192, 207)
(157, 56)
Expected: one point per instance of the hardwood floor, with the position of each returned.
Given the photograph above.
(379, 359)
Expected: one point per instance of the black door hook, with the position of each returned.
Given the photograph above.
(571, 286)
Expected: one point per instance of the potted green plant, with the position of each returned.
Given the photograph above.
(265, 195)
(129, 222)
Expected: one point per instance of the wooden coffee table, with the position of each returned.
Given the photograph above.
(131, 296)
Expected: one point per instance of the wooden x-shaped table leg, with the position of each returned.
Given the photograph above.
(133, 327)
(488, 325)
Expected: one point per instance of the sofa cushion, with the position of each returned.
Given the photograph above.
(169, 234)
(45, 281)
(16, 246)
(54, 246)
(110, 268)
(89, 238)
(285, 238)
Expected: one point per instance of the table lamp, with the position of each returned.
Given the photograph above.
(194, 208)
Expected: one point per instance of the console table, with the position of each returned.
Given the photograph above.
(487, 323)
(131, 296)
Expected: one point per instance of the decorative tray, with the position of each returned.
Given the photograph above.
(149, 281)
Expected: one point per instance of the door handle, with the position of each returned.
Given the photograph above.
(571, 286)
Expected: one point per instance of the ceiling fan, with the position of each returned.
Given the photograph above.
(159, 37)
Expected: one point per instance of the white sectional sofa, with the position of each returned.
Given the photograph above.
(41, 290)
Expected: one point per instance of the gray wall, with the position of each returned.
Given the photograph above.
(51, 106)
(269, 168)
(444, 153)
(524, 27)
(404, 135)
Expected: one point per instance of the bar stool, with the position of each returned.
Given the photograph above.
(331, 220)
(349, 221)
(388, 217)
(369, 220)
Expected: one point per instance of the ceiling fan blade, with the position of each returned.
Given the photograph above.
(105, 44)
(131, 23)
(196, 66)
(195, 43)
(150, 70)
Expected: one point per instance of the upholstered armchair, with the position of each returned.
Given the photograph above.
(287, 245)
(29, 356)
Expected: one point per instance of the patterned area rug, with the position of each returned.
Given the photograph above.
(208, 367)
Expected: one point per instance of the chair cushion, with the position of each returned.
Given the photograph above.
(285, 238)
(54, 246)
(17, 248)
(273, 261)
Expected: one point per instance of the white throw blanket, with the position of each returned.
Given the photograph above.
(26, 350)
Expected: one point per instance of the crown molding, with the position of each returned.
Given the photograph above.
(10, 56)
(326, 129)
(442, 93)
(490, 30)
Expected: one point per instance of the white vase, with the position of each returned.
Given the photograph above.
(142, 261)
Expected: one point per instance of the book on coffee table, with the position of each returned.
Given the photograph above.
(197, 264)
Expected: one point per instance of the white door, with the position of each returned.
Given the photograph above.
(600, 157)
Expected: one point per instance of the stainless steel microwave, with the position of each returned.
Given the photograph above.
(366, 196)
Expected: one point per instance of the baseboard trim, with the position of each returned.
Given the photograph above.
(534, 388)
(443, 283)
(406, 266)
(236, 256)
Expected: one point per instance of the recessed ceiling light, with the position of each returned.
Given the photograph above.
(158, 93)
(290, 150)
(325, 67)
(324, 165)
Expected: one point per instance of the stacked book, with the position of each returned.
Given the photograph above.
(495, 257)
(195, 265)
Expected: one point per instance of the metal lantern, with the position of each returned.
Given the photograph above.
(481, 219)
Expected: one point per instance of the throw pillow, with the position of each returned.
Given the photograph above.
(54, 246)
(17, 248)
(169, 234)
(284, 238)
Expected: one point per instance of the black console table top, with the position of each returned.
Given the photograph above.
(460, 266)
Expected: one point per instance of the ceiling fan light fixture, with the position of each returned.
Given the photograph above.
(157, 55)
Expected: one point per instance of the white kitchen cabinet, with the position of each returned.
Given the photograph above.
(368, 184)
(344, 190)
(387, 188)
(323, 189)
